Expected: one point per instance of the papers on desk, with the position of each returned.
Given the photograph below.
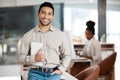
(80, 59)
(67, 76)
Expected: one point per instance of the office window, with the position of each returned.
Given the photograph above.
(113, 25)
(75, 18)
(113, 32)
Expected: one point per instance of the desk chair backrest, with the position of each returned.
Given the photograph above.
(107, 64)
(90, 73)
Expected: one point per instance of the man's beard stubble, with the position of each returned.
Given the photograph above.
(44, 24)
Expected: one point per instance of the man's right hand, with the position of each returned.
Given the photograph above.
(40, 57)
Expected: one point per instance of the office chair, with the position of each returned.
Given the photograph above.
(107, 67)
(90, 73)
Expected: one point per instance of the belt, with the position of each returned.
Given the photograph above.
(45, 69)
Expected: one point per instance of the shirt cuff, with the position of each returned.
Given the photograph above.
(62, 68)
(32, 59)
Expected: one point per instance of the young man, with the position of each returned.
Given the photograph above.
(54, 57)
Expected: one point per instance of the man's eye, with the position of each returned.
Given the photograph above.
(43, 12)
(49, 14)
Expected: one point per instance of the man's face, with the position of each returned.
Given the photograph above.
(45, 16)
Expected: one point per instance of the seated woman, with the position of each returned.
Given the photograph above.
(92, 49)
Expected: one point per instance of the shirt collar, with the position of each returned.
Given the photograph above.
(37, 29)
(92, 39)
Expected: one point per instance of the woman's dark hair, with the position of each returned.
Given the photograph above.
(46, 4)
(90, 26)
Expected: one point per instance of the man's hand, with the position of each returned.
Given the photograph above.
(56, 72)
(39, 57)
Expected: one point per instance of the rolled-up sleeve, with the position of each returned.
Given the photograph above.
(97, 51)
(23, 51)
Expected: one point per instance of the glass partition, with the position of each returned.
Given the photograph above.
(76, 15)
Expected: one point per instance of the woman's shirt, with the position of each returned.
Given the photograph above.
(93, 48)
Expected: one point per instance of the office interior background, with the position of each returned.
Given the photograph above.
(19, 16)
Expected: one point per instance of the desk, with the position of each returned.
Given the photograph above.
(80, 59)
(107, 48)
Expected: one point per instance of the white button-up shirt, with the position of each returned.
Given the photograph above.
(93, 48)
(54, 44)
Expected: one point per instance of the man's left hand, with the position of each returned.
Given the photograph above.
(56, 72)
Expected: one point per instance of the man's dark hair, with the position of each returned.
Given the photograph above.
(46, 4)
(90, 26)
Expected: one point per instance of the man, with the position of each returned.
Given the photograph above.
(54, 57)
